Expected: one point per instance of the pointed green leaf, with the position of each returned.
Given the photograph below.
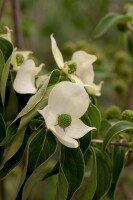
(2, 135)
(14, 160)
(62, 186)
(104, 174)
(118, 159)
(109, 20)
(2, 62)
(115, 130)
(72, 164)
(7, 49)
(89, 184)
(41, 149)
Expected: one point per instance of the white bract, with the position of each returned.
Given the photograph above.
(67, 102)
(24, 82)
(18, 57)
(79, 69)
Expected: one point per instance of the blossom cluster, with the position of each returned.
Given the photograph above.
(68, 100)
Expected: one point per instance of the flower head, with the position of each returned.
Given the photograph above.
(67, 102)
(24, 82)
(79, 69)
(18, 57)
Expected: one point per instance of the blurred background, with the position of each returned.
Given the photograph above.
(73, 23)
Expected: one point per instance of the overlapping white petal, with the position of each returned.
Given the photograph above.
(84, 62)
(24, 82)
(77, 129)
(84, 73)
(72, 99)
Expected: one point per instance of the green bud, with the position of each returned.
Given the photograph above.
(113, 112)
(64, 120)
(127, 115)
(19, 58)
(71, 67)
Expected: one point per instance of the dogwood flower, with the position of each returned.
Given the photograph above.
(18, 57)
(79, 69)
(67, 102)
(24, 82)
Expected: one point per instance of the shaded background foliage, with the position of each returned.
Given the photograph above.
(73, 24)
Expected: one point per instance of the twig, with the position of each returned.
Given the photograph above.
(2, 8)
(16, 18)
(97, 141)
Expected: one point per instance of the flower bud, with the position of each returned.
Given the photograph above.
(127, 115)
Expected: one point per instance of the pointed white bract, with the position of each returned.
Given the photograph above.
(24, 82)
(70, 99)
(84, 73)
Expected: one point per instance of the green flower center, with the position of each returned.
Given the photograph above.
(64, 120)
(19, 59)
(71, 67)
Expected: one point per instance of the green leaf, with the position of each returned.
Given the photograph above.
(72, 169)
(2, 128)
(94, 116)
(10, 132)
(54, 77)
(41, 149)
(104, 174)
(2, 135)
(12, 106)
(115, 130)
(89, 184)
(109, 20)
(118, 159)
(42, 94)
(2, 62)
(14, 160)
(7, 49)
(91, 118)
(62, 186)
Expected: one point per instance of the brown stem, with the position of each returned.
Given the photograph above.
(2, 8)
(16, 18)
(97, 141)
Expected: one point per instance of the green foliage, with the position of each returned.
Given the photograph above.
(6, 51)
(109, 20)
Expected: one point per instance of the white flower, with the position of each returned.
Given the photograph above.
(67, 102)
(79, 69)
(24, 82)
(18, 57)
